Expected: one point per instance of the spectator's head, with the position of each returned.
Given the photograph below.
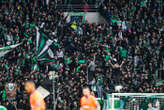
(149, 105)
(86, 91)
(29, 86)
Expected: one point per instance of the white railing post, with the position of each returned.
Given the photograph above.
(112, 101)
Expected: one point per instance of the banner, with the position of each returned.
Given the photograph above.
(43, 91)
(11, 90)
(77, 17)
(77, 14)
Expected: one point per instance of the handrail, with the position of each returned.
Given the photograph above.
(73, 5)
(80, 7)
(76, 6)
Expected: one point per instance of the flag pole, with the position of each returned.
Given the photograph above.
(87, 76)
(53, 87)
(54, 92)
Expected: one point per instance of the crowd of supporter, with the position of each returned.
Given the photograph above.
(127, 51)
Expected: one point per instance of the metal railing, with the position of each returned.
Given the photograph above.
(76, 8)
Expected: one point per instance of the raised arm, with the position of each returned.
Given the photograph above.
(111, 64)
(121, 64)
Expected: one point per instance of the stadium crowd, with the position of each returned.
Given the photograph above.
(127, 51)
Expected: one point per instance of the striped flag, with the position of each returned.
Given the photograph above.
(43, 47)
(44, 50)
(7, 49)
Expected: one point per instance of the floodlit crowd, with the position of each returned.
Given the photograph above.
(127, 51)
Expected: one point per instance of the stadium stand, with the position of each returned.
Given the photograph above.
(35, 38)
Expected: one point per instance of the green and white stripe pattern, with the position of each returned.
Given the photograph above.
(7, 49)
(44, 52)
(43, 49)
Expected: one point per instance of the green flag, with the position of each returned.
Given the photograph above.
(81, 61)
(7, 49)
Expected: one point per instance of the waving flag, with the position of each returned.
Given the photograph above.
(7, 49)
(44, 49)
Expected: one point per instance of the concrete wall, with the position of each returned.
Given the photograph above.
(91, 17)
